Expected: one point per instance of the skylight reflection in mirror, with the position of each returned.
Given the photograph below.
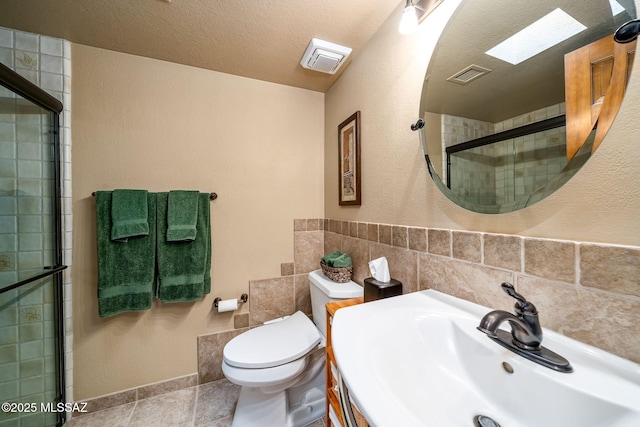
(616, 8)
(546, 32)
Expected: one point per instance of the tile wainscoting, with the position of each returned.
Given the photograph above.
(587, 291)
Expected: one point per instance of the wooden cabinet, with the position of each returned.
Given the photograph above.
(333, 402)
(596, 76)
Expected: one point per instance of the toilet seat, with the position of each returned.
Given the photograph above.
(273, 345)
(264, 377)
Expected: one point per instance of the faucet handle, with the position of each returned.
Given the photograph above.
(522, 305)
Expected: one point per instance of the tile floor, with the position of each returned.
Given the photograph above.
(211, 404)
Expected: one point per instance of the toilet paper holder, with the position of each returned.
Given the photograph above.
(243, 298)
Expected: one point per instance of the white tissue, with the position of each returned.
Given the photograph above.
(380, 270)
(227, 305)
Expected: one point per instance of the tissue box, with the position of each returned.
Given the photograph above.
(374, 289)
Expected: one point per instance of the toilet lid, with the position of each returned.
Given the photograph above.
(273, 344)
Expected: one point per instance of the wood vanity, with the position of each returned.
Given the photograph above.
(333, 402)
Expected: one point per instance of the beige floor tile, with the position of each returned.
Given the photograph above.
(171, 409)
(117, 416)
(216, 400)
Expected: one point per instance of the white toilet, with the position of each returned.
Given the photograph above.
(280, 365)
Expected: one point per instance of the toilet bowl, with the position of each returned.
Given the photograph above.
(280, 365)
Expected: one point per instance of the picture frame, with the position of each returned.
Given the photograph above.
(349, 185)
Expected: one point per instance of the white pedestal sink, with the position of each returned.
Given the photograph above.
(418, 360)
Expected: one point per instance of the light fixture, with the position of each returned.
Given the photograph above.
(415, 11)
(409, 20)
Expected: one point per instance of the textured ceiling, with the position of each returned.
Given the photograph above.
(260, 39)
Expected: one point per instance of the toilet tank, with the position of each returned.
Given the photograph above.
(324, 290)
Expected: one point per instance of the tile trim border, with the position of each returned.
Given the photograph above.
(138, 393)
(521, 242)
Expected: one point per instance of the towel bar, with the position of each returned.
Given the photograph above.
(243, 298)
(212, 196)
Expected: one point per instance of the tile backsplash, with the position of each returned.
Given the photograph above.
(587, 291)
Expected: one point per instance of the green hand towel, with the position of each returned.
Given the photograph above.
(182, 214)
(184, 267)
(342, 261)
(126, 270)
(129, 214)
(328, 259)
(336, 259)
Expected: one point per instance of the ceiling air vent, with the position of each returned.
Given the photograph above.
(323, 56)
(470, 73)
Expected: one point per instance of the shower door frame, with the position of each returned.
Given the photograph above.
(29, 91)
(540, 126)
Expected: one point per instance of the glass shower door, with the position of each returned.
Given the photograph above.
(31, 382)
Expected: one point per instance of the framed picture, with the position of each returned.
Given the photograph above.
(349, 160)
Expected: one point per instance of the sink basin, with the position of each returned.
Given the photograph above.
(418, 360)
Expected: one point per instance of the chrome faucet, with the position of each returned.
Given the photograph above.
(526, 332)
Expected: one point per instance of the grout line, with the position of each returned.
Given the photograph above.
(195, 406)
(578, 258)
(135, 406)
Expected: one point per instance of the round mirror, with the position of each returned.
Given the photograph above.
(518, 94)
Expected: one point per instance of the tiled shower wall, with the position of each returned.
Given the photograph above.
(503, 172)
(506, 171)
(456, 130)
(46, 62)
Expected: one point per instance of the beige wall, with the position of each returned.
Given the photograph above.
(600, 204)
(143, 123)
